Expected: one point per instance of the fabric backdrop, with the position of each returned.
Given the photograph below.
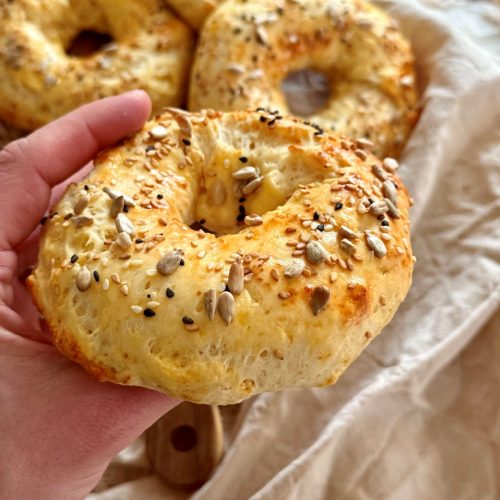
(417, 416)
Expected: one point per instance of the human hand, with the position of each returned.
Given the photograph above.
(59, 428)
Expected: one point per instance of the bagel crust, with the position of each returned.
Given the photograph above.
(195, 12)
(40, 81)
(307, 258)
(248, 49)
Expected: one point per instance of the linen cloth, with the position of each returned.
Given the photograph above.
(417, 416)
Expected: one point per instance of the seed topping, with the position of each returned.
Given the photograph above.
(117, 206)
(294, 268)
(235, 281)
(169, 263)
(375, 244)
(319, 299)
(123, 240)
(124, 224)
(245, 173)
(315, 252)
(83, 279)
(226, 307)
(81, 204)
(347, 246)
(210, 301)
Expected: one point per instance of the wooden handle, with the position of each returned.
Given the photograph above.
(185, 445)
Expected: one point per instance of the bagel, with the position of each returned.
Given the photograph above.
(152, 50)
(194, 12)
(304, 258)
(248, 50)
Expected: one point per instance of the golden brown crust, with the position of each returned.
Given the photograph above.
(314, 262)
(247, 49)
(151, 50)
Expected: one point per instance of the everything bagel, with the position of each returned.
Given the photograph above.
(40, 81)
(248, 49)
(306, 258)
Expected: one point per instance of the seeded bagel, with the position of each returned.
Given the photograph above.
(298, 255)
(194, 12)
(248, 50)
(40, 81)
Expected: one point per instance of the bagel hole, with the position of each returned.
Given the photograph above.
(88, 42)
(306, 91)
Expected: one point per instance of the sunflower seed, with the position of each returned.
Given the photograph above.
(158, 132)
(389, 190)
(169, 262)
(182, 120)
(83, 279)
(390, 164)
(319, 299)
(380, 172)
(392, 210)
(378, 208)
(253, 220)
(117, 206)
(347, 246)
(123, 240)
(81, 205)
(294, 268)
(226, 307)
(116, 194)
(245, 173)
(210, 300)
(348, 233)
(235, 281)
(315, 252)
(82, 221)
(124, 225)
(217, 194)
(376, 245)
(252, 185)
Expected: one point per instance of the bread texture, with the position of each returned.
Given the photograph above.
(247, 50)
(305, 257)
(151, 49)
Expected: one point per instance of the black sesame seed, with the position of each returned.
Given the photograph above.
(148, 295)
(68, 216)
(149, 313)
(241, 209)
(321, 227)
(316, 216)
(338, 205)
(187, 320)
(371, 200)
(271, 122)
(86, 187)
(125, 208)
(138, 240)
(260, 109)
(187, 142)
(150, 148)
(96, 276)
(159, 196)
(73, 258)
(242, 199)
(240, 217)
(43, 220)
(380, 217)
(181, 263)
(53, 214)
(263, 119)
(385, 222)
(243, 159)
(169, 293)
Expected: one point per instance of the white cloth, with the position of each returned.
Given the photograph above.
(417, 416)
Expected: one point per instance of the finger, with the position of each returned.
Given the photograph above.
(31, 166)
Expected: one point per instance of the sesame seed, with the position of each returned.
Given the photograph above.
(153, 304)
(105, 284)
(136, 309)
(338, 205)
(149, 313)
(73, 258)
(187, 320)
(124, 289)
(96, 276)
(284, 295)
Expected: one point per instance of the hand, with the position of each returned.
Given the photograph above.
(59, 428)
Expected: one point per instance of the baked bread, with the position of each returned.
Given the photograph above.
(195, 12)
(152, 50)
(249, 52)
(306, 258)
